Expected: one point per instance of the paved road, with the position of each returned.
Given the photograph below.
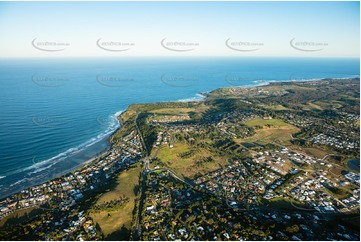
(138, 228)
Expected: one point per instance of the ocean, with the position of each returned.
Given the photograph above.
(56, 114)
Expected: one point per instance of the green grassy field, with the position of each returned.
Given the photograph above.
(315, 106)
(188, 166)
(127, 184)
(277, 132)
(316, 152)
(276, 107)
(263, 122)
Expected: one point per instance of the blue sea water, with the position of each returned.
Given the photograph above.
(55, 114)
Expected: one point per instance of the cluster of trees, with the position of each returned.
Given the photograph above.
(110, 205)
(187, 154)
(149, 133)
(200, 162)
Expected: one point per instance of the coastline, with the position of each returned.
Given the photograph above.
(87, 146)
(108, 139)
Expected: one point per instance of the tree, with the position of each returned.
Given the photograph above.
(292, 229)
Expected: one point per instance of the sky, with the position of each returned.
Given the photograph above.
(82, 29)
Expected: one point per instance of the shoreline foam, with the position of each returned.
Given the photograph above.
(41, 166)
